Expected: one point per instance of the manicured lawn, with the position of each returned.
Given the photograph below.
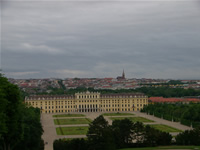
(117, 114)
(165, 147)
(69, 115)
(71, 121)
(165, 128)
(72, 130)
(134, 119)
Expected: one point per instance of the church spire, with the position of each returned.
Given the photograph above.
(123, 74)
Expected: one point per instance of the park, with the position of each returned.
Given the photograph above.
(75, 125)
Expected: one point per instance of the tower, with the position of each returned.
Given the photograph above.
(123, 75)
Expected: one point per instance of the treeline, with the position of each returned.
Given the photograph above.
(187, 114)
(189, 137)
(121, 134)
(20, 127)
(149, 91)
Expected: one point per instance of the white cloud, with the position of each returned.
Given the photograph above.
(21, 74)
(27, 47)
(64, 73)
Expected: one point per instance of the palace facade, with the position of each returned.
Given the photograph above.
(88, 102)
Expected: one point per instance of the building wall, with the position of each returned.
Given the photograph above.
(88, 102)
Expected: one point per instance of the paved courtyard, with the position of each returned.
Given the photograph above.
(50, 134)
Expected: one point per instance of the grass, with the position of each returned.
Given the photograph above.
(117, 114)
(165, 128)
(165, 147)
(72, 121)
(71, 130)
(69, 115)
(134, 119)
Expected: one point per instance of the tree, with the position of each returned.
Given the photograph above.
(3, 105)
(20, 126)
(139, 132)
(123, 130)
(32, 129)
(189, 137)
(100, 135)
(10, 114)
(151, 135)
(73, 144)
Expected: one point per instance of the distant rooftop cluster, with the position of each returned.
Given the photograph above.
(33, 86)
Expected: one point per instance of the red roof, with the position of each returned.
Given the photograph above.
(162, 100)
(192, 99)
(172, 100)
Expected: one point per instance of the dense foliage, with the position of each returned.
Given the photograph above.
(189, 137)
(74, 144)
(20, 127)
(187, 114)
(121, 134)
(149, 91)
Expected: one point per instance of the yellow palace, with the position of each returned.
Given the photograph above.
(88, 102)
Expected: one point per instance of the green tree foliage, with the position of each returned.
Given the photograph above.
(61, 84)
(73, 144)
(32, 129)
(11, 133)
(17, 121)
(189, 137)
(100, 135)
(187, 114)
(3, 105)
(153, 137)
(122, 130)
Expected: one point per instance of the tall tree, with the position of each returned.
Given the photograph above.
(10, 114)
(123, 130)
(20, 126)
(100, 135)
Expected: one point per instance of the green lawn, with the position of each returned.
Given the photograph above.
(165, 128)
(71, 130)
(71, 121)
(117, 114)
(69, 115)
(165, 147)
(134, 119)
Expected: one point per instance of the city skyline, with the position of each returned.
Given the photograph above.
(97, 39)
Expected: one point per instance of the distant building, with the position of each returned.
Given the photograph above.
(121, 77)
(88, 102)
(153, 100)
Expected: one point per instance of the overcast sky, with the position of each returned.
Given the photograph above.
(146, 38)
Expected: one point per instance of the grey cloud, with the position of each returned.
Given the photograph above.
(155, 39)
